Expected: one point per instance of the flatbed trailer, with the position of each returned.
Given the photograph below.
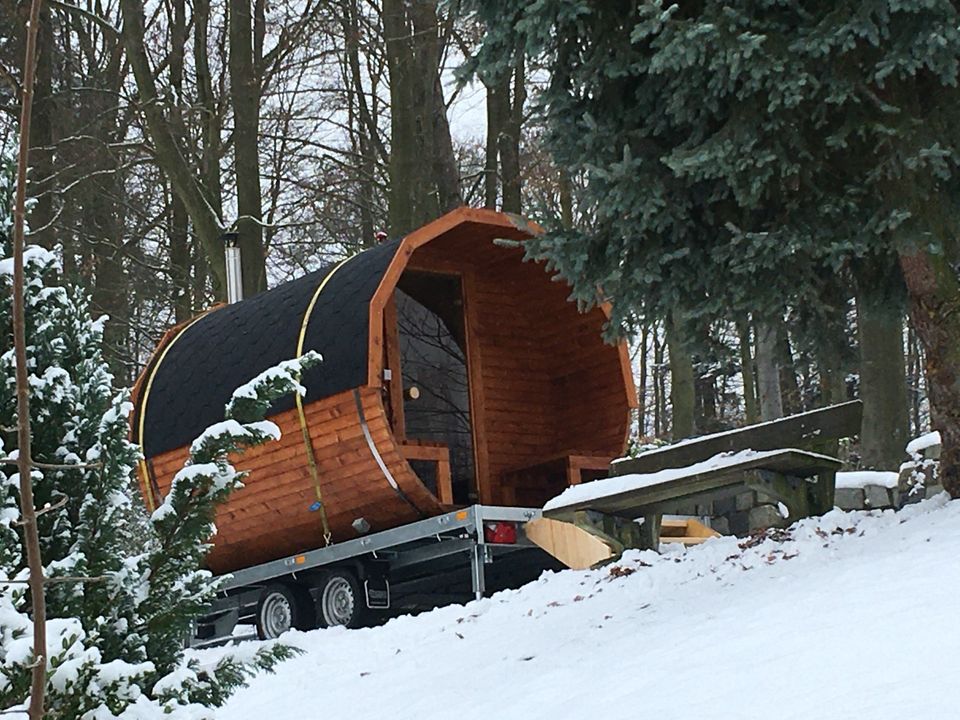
(361, 581)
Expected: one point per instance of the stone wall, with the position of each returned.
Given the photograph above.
(751, 512)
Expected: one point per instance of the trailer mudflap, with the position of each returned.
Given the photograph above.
(377, 589)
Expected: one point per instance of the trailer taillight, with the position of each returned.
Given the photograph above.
(500, 533)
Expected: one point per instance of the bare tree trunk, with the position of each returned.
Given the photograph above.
(210, 117)
(245, 95)
(658, 382)
(682, 390)
(833, 384)
(445, 170)
(746, 370)
(405, 175)
(934, 292)
(705, 393)
(424, 180)
(506, 96)
(566, 199)
(110, 283)
(179, 224)
(768, 370)
(24, 465)
(365, 129)
(789, 387)
(883, 384)
(204, 216)
(494, 122)
(42, 138)
(101, 213)
(642, 385)
(510, 140)
(914, 380)
(179, 235)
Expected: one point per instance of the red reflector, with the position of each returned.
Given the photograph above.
(500, 533)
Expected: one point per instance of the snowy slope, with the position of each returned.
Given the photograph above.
(854, 616)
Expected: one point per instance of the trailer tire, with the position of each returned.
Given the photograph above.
(341, 600)
(281, 608)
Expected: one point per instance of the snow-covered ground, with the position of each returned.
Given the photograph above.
(852, 615)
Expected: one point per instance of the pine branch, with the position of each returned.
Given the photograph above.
(61, 580)
(53, 466)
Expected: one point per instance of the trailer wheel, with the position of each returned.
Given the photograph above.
(282, 608)
(341, 601)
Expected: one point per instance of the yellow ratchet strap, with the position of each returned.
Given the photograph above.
(304, 428)
(144, 468)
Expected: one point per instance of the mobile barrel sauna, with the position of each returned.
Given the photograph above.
(454, 373)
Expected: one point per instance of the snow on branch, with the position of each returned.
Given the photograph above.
(184, 521)
(254, 399)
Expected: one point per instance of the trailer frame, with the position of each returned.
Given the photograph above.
(417, 545)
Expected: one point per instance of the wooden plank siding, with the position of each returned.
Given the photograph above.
(279, 491)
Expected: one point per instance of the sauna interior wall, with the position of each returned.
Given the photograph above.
(270, 516)
(549, 385)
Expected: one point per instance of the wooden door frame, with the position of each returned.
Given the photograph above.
(472, 359)
(478, 419)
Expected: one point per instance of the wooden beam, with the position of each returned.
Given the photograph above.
(439, 454)
(639, 502)
(478, 405)
(805, 431)
(391, 335)
(573, 546)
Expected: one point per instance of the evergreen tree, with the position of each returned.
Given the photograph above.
(738, 151)
(122, 588)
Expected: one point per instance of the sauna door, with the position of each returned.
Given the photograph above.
(431, 335)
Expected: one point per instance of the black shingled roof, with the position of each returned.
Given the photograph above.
(227, 347)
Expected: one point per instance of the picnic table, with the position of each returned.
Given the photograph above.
(782, 459)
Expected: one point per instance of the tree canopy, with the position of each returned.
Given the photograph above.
(736, 152)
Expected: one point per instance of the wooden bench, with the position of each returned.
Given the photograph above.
(802, 481)
(782, 459)
(530, 484)
(437, 453)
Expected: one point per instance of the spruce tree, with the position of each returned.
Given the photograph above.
(122, 588)
(738, 151)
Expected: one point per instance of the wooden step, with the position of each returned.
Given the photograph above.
(685, 530)
(579, 549)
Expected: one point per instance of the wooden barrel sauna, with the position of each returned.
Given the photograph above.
(453, 373)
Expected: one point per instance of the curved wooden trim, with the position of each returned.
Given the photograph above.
(378, 458)
(433, 230)
(140, 403)
(416, 239)
(159, 349)
(633, 402)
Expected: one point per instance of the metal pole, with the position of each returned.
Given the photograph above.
(232, 262)
(234, 274)
(477, 570)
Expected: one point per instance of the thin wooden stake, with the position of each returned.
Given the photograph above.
(27, 510)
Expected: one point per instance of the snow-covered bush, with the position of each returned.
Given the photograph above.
(922, 470)
(122, 588)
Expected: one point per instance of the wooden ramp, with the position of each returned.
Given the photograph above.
(578, 548)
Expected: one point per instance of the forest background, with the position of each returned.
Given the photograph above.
(306, 128)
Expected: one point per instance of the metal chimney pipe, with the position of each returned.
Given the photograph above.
(234, 268)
